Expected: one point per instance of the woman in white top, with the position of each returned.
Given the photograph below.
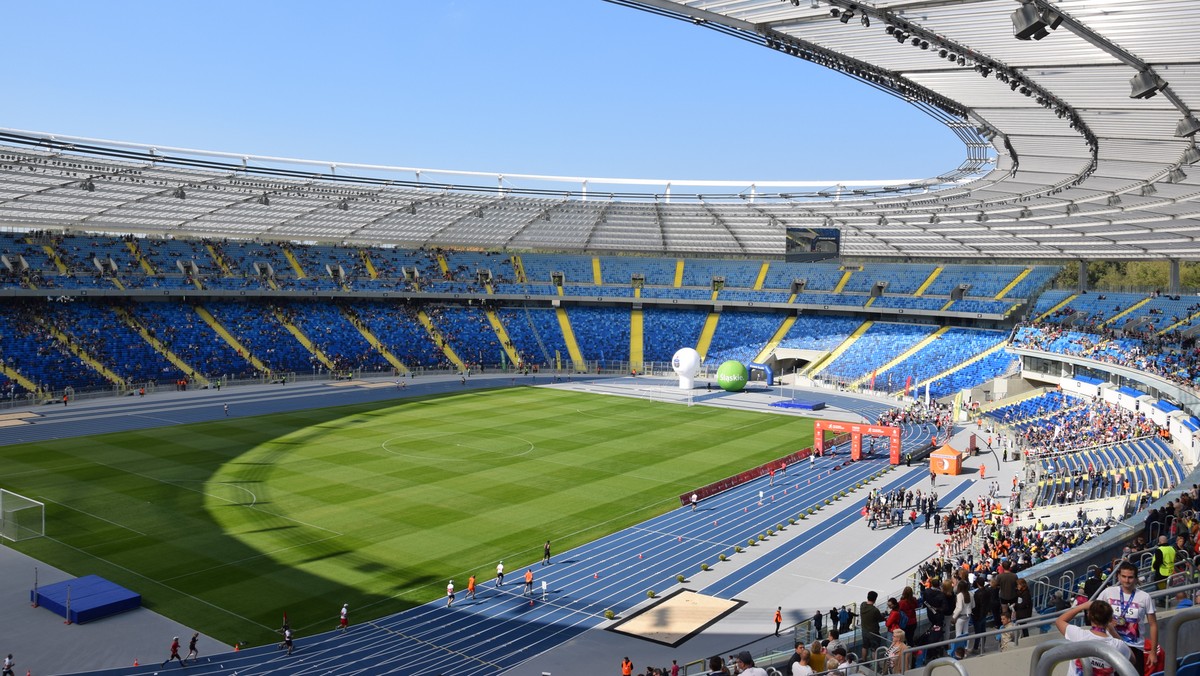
(963, 605)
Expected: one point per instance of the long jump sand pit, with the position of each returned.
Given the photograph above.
(676, 618)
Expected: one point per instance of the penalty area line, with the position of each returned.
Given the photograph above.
(166, 586)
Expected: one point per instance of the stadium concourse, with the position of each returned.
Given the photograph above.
(831, 558)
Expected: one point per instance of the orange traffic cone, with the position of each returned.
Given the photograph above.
(135, 662)
(639, 557)
(237, 646)
(595, 576)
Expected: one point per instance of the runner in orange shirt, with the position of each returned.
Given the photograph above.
(471, 587)
(528, 583)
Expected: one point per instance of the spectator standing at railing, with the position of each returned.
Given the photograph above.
(869, 619)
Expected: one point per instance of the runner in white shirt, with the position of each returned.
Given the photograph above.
(1131, 608)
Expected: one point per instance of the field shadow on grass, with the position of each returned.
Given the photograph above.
(270, 529)
(327, 555)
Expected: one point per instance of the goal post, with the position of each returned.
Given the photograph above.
(21, 518)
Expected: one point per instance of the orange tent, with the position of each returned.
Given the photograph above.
(946, 460)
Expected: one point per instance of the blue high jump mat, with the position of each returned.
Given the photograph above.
(85, 599)
(800, 404)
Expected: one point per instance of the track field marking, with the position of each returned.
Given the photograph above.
(675, 535)
(435, 646)
(87, 513)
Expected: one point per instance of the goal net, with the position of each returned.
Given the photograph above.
(20, 517)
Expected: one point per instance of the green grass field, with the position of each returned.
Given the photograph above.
(224, 526)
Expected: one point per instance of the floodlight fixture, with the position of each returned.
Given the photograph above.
(1148, 189)
(1114, 200)
(1191, 155)
(1072, 208)
(1187, 127)
(1025, 213)
(343, 205)
(815, 4)
(934, 220)
(865, 20)
(1145, 85)
(179, 193)
(981, 218)
(835, 12)
(89, 185)
(264, 200)
(881, 221)
(1176, 175)
(412, 209)
(1030, 23)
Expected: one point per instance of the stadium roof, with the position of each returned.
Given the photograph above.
(1079, 143)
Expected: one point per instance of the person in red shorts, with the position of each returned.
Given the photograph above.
(174, 653)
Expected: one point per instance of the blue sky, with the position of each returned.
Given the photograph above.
(564, 87)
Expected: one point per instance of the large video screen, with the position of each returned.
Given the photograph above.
(812, 244)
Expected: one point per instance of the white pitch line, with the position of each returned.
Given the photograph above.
(84, 511)
(248, 558)
(152, 580)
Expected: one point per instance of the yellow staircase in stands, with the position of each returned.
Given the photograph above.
(20, 379)
(958, 367)
(1012, 285)
(440, 340)
(776, 339)
(1126, 311)
(929, 281)
(842, 282)
(1056, 308)
(1182, 322)
(228, 338)
(294, 262)
(143, 262)
(597, 278)
(706, 334)
(82, 354)
(921, 344)
(304, 340)
(502, 334)
(564, 323)
(762, 276)
(820, 364)
(637, 338)
(219, 258)
(58, 262)
(678, 274)
(160, 347)
(366, 259)
(117, 283)
(352, 317)
(519, 269)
